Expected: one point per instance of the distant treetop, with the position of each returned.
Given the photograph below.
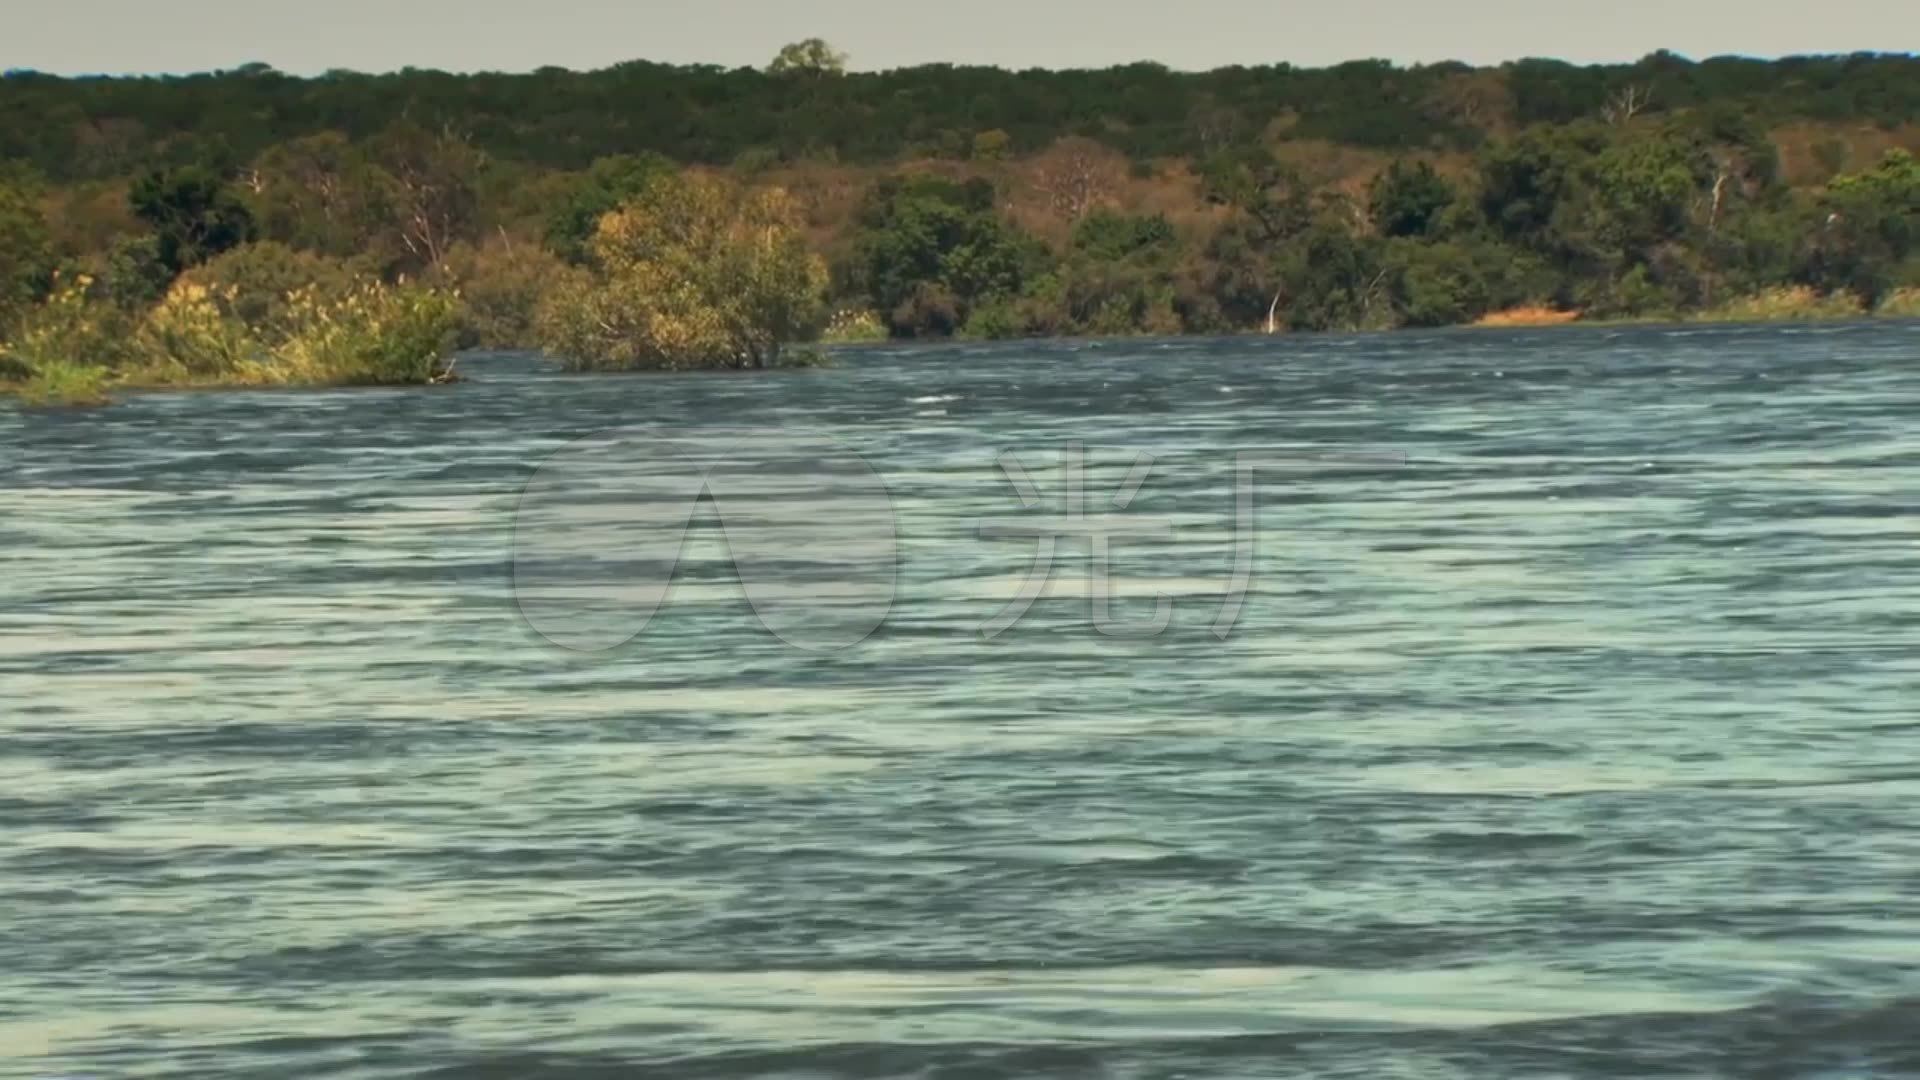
(810, 57)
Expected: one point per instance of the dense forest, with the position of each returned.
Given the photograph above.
(96, 128)
(974, 201)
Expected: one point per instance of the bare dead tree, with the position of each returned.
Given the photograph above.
(1719, 197)
(1626, 103)
(1076, 175)
(1477, 99)
(1371, 293)
(434, 175)
(1725, 171)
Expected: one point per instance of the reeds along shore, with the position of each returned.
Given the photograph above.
(75, 350)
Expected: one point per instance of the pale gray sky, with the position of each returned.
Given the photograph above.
(306, 36)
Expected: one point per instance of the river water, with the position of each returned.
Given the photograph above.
(1569, 725)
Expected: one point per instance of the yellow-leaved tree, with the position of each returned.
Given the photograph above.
(694, 272)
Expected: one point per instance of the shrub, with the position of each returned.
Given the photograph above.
(187, 338)
(131, 274)
(377, 335)
(851, 325)
(253, 283)
(992, 145)
(697, 272)
(26, 254)
(1900, 304)
(65, 384)
(69, 327)
(500, 290)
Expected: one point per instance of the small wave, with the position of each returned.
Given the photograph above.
(933, 399)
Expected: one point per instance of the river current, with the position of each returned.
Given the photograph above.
(1565, 721)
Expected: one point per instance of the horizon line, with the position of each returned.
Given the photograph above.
(263, 67)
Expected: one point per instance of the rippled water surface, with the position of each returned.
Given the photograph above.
(1570, 727)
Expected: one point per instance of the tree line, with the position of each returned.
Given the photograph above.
(711, 217)
(804, 105)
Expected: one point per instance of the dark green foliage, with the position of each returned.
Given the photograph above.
(929, 250)
(606, 184)
(1104, 234)
(1870, 238)
(75, 128)
(132, 274)
(26, 254)
(1335, 280)
(324, 193)
(1277, 198)
(1436, 284)
(1407, 200)
(1640, 189)
(194, 214)
(254, 283)
(1118, 276)
(435, 194)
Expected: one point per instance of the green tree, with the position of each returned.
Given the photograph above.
(323, 193)
(1407, 200)
(929, 250)
(26, 254)
(1871, 233)
(696, 272)
(1275, 196)
(1119, 275)
(1435, 284)
(130, 273)
(500, 288)
(810, 57)
(1336, 280)
(609, 182)
(253, 283)
(992, 145)
(435, 177)
(193, 212)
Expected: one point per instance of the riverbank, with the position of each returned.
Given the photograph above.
(1784, 304)
(62, 384)
(75, 350)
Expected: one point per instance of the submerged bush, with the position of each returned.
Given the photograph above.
(72, 347)
(378, 335)
(696, 272)
(500, 290)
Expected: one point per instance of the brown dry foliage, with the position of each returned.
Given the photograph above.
(1800, 164)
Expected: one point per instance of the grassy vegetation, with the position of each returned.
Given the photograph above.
(1901, 304)
(1530, 315)
(852, 326)
(75, 348)
(1787, 303)
(61, 384)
